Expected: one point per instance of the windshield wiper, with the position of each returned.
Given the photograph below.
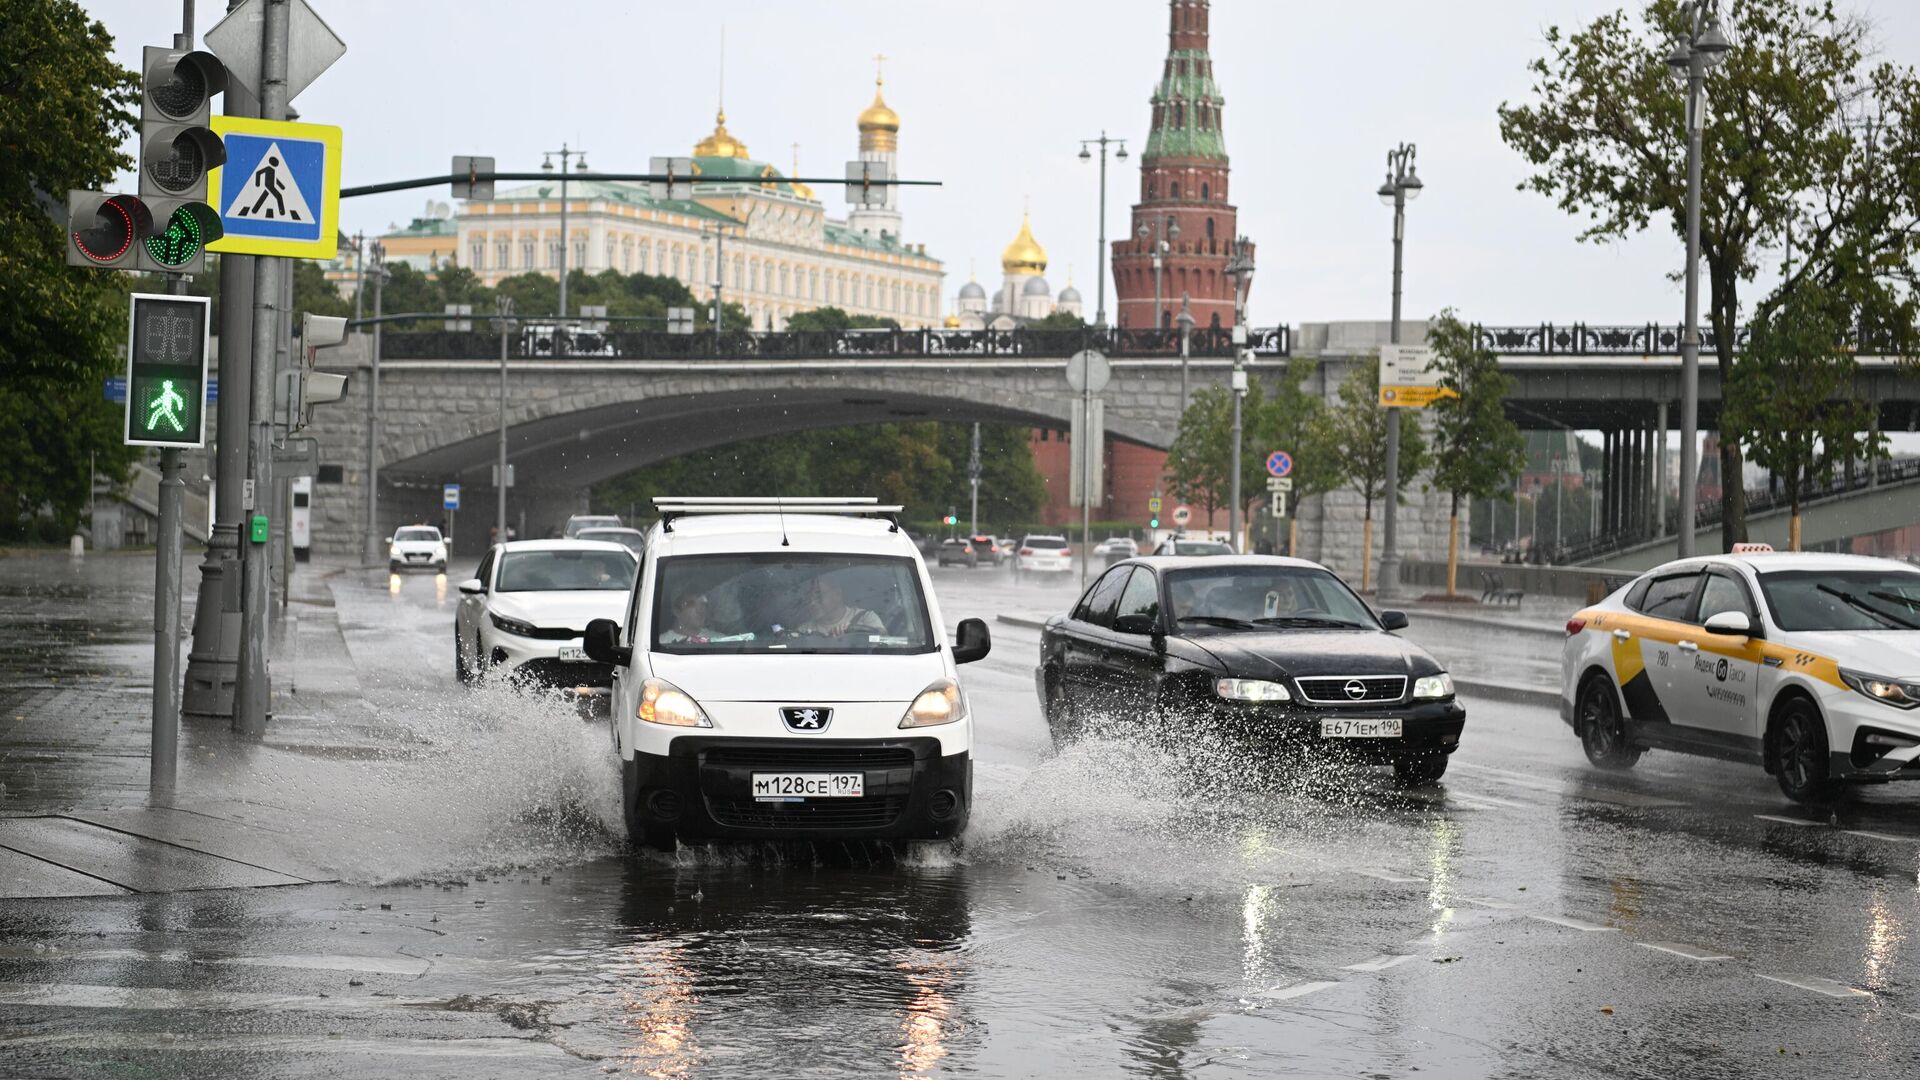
(1217, 620)
(1908, 602)
(1305, 620)
(1858, 604)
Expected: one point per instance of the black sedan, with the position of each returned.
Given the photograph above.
(1273, 650)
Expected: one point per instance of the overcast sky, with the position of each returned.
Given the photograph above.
(994, 96)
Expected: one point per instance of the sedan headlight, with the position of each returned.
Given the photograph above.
(940, 703)
(1900, 695)
(1255, 690)
(1433, 686)
(661, 702)
(512, 626)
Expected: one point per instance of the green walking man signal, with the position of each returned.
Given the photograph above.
(166, 370)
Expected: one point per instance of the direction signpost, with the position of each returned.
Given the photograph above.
(1408, 379)
(450, 502)
(1087, 374)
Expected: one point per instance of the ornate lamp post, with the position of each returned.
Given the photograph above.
(1119, 154)
(546, 165)
(1706, 46)
(1239, 272)
(1401, 187)
(1185, 321)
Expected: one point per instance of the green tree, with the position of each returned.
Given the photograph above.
(1354, 435)
(833, 319)
(1477, 451)
(1792, 402)
(1058, 320)
(1199, 460)
(1786, 158)
(65, 108)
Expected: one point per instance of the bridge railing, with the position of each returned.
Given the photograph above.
(533, 340)
(1579, 339)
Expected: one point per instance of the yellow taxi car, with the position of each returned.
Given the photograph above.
(1808, 665)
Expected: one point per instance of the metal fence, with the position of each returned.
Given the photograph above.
(530, 340)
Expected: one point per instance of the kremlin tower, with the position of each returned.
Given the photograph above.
(1183, 192)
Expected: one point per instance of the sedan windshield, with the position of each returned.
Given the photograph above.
(564, 570)
(430, 536)
(1265, 597)
(774, 603)
(1843, 599)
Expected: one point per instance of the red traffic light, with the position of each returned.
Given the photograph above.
(104, 228)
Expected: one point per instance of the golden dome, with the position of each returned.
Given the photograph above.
(721, 143)
(1024, 255)
(879, 124)
(953, 321)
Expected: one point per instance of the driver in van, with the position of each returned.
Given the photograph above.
(829, 615)
(689, 619)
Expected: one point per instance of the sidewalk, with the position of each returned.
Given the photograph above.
(75, 729)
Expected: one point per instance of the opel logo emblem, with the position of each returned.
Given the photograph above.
(1356, 689)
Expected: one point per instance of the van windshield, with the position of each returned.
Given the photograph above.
(789, 603)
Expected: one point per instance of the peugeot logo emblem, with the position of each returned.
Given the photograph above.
(1355, 689)
(807, 718)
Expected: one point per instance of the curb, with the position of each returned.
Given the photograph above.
(1491, 691)
(1486, 621)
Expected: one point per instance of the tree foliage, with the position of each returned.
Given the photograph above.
(834, 319)
(922, 466)
(1279, 413)
(65, 108)
(1477, 452)
(1354, 436)
(1792, 402)
(1807, 141)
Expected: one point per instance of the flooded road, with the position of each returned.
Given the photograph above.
(1113, 910)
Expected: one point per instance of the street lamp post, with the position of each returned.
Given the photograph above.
(1119, 154)
(1706, 46)
(379, 275)
(567, 157)
(1239, 272)
(1401, 187)
(1185, 322)
(1161, 235)
(504, 320)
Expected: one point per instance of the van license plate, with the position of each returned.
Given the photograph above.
(572, 652)
(1354, 727)
(794, 787)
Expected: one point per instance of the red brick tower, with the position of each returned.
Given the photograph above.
(1183, 182)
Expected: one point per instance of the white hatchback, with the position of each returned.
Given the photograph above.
(1808, 665)
(526, 609)
(785, 674)
(1043, 554)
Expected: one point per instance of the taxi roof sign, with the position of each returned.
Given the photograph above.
(1752, 549)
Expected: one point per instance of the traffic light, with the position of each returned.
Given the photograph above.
(167, 370)
(104, 230)
(952, 519)
(177, 150)
(1153, 523)
(316, 387)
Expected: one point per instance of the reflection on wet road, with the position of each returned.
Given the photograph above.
(1114, 910)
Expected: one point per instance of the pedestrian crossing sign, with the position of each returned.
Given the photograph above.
(279, 191)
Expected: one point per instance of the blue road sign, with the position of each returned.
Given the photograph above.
(450, 497)
(278, 193)
(1279, 463)
(116, 388)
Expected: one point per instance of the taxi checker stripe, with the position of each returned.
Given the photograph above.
(1628, 661)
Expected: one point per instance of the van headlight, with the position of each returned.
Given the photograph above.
(661, 702)
(1433, 686)
(1900, 695)
(940, 703)
(1255, 690)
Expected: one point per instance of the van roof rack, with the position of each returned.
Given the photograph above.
(672, 507)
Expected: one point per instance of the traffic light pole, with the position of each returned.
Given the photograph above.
(252, 697)
(212, 663)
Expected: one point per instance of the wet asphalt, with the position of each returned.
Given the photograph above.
(1114, 910)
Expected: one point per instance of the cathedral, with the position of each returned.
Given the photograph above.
(1024, 295)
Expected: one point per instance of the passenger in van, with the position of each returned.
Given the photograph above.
(689, 619)
(829, 615)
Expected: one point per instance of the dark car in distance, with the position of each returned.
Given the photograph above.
(1270, 651)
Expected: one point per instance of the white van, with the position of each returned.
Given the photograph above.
(784, 674)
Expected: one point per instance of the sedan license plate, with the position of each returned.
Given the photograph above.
(573, 652)
(795, 787)
(1359, 727)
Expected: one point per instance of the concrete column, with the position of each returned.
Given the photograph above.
(1649, 523)
(1609, 474)
(1660, 471)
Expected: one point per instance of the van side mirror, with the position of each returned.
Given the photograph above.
(602, 643)
(970, 641)
(1731, 624)
(473, 586)
(1393, 620)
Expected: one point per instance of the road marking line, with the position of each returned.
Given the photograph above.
(1680, 949)
(1466, 797)
(1576, 924)
(1889, 837)
(1802, 822)
(1297, 990)
(1498, 905)
(1380, 963)
(1818, 985)
(1386, 875)
(86, 996)
(1575, 788)
(310, 1044)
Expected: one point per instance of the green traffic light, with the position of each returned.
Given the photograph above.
(1153, 523)
(164, 405)
(180, 243)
